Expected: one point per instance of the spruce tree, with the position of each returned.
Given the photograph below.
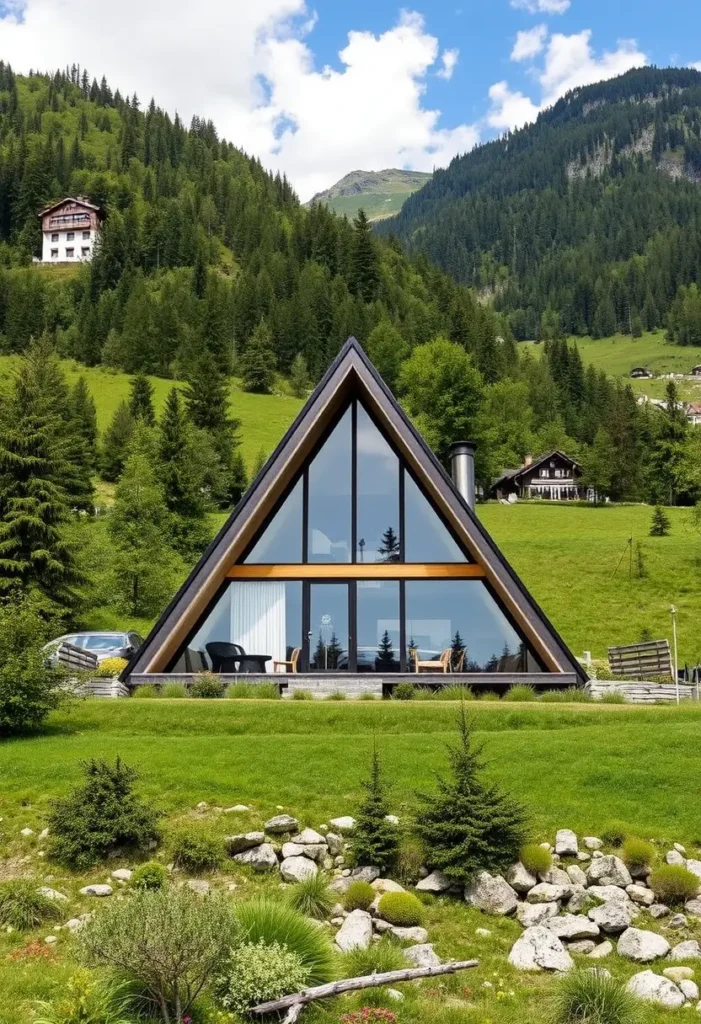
(375, 840)
(181, 475)
(385, 651)
(84, 415)
(470, 824)
(660, 525)
(141, 400)
(365, 272)
(207, 401)
(115, 443)
(258, 361)
(389, 550)
(457, 652)
(299, 376)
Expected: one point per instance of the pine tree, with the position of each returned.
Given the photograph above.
(375, 840)
(181, 475)
(84, 414)
(457, 652)
(660, 525)
(34, 557)
(299, 376)
(365, 273)
(115, 443)
(141, 400)
(207, 401)
(258, 361)
(470, 824)
(385, 651)
(389, 549)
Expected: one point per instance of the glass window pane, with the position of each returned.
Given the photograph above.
(378, 626)
(328, 626)
(330, 497)
(378, 494)
(464, 616)
(253, 624)
(281, 541)
(426, 538)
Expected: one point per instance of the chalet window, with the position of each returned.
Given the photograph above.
(86, 235)
(85, 250)
(378, 630)
(330, 513)
(329, 627)
(54, 237)
(377, 490)
(544, 473)
(282, 540)
(427, 539)
(70, 252)
(70, 235)
(54, 254)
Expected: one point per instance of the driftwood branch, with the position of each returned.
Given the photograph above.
(296, 1002)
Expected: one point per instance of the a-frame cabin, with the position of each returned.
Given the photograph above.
(354, 562)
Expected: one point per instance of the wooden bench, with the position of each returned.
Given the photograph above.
(649, 660)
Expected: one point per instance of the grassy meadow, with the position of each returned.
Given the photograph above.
(574, 766)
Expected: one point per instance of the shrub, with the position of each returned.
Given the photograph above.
(312, 897)
(301, 695)
(614, 833)
(169, 942)
(572, 695)
(258, 972)
(88, 1000)
(592, 997)
(100, 816)
(401, 908)
(454, 692)
(535, 859)
(207, 685)
(404, 691)
(410, 859)
(470, 824)
(337, 695)
(29, 687)
(23, 907)
(253, 691)
(366, 695)
(146, 692)
(111, 667)
(374, 840)
(487, 695)
(637, 853)
(174, 691)
(196, 849)
(359, 896)
(522, 692)
(382, 956)
(614, 697)
(150, 875)
(265, 921)
(672, 883)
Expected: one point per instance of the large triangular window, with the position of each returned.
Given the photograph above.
(427, 539)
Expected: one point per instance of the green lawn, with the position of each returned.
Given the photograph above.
(264, 418)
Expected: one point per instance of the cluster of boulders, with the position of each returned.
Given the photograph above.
(587, 901)
(300, 856)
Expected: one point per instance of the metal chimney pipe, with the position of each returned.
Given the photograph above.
(462, 458)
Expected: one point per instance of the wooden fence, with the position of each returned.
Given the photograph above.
(649, 660)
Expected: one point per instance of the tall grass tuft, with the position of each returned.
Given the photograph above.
(147, 692)
(254, 691)
(456, 691)
(638, 853)
(614, 697)
(312, 897)
(301, 695)
(23, 907)
(522, 692)
(673, 883)
(267, 921)
(174, 691)
(385, 955)
(591, 997)
(572, 695)
(486, 695)
(337, 695)
(535, 859)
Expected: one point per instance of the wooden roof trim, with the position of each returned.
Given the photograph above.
(355, 571)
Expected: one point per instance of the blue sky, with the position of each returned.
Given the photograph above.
(319, 89)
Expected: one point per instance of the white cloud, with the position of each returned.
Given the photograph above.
(542, 6)
(450, 59)
(696, 65)
(510, 109)
(529, 43)
(250, 68)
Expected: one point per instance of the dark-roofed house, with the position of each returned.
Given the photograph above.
(640, 371)
(354, 561)
(695, 371)
(554, 476)
(70, 230)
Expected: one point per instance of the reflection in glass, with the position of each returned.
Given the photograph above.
(426, 538)
(378, 626)
(254, 623)
(378, 494)
(463, 617)
(281, 541)
(328, 627)
(330, 497)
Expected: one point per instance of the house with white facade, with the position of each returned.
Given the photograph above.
(70, 230)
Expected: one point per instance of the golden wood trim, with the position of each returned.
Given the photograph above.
(392, 570)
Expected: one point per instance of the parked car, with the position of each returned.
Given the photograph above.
(103, 645)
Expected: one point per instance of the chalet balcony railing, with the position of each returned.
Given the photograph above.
(67, 220)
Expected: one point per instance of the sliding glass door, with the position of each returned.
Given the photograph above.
(328, 634)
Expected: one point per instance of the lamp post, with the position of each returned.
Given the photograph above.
(673, 613)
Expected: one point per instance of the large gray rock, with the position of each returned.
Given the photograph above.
(546, 893)
(422, 955)
(608, 893)
(297, 869)
(519, 878)
(642, 946)
(653, 989)
(356, 931)
(592, 843)
(365, 874)
(658, 910)
(531, 914)
(640, 894)
(677, 974)
(292, 850)
(539, 949)
(416, 935)
(281, 823)
(556, 876)
(315, 852)
(343, 824)
(689, 950)
(491, 894)
(566, 844)
(694, 866)
(604, 949)
(96, 890)
(677, 921)
(259, 858)
(335, 844)
(571, 926)
(583, 946)
(609, 870)
(309, 837)
(675, 857)
(245, 841)
(611, 917)
(577, 876)
(689, 989)
(52, 894)
(693, 907)
(436, 882)
(382, 885)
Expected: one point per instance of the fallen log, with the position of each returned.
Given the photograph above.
(295, 1003)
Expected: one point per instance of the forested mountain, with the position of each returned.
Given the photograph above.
(586, 222)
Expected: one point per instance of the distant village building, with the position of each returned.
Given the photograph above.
(640, 371)
(695, 371)
(554, 476)
(71, 229)
(693, 413)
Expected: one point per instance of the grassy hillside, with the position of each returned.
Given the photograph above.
(380, 193)
(264, 418)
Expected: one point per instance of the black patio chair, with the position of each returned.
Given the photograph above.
(225, 657)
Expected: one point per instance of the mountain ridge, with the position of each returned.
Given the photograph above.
(380, 193)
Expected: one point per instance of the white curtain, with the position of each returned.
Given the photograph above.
(258, 618)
